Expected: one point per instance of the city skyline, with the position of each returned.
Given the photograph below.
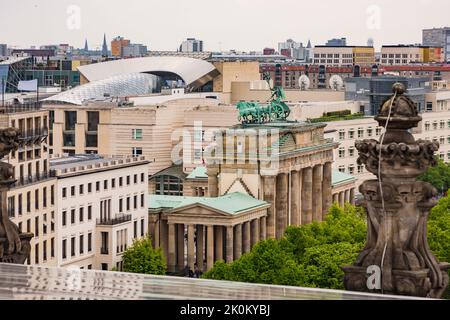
(75, 21)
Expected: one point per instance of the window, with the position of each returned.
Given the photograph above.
(442, 140)
(89, 266)
(104, 243)
(142, 200)
(142, 227)
(369, 131)
(72, 247)
(29, 201)
(378, 131)
(137, 134)
(168, 185)
(360, 132)
(135, 202)
(351, 151)
(81, 213)
(105, 185)
(64, 192)
(44, 225)
(36, 226)
(341, 169)
(36, 199)
(72, 216)
(19, 204)
(341, 152)
(351, 134)
(89, 187)
(28, 225)
(36, 253)
(64, 249)
(44, 252)
(120, 205)
(142, 177)
(128, 180)
(52, 247)
(427, 126)
(64, 218)
(136, 151)
(81, 189)
(128, 203)
(89, 242)
(104, 266)
(113, 183)
(135, 229)
(81, 244)
(11, 208)
(135, 178)
(72, 191)
(97, 186)
(351, 169)
(435, 125)
(52, 222)
(120, 181)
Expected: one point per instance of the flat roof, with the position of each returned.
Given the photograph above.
(73, 161)
(233, 203)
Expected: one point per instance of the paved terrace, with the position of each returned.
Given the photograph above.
(37, 283)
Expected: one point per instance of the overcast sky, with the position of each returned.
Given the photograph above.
(222, 24)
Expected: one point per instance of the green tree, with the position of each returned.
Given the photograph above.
(438, 176)
(141, 257)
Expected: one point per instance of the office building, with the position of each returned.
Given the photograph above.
(342, 42)
(117, 44)
(338, 56)
(410, 54)
(134, 50)
(3, 50)
(438, 37)
(191, 45)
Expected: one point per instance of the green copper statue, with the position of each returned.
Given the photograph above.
(275, 110)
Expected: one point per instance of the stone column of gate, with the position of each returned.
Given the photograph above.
(336, 198)
(172, 245)
(282, 184)
(209, 247)
(307, 195)
(200, 247)
(326, 188)
(246, 237)
(352, 196)
(229, 244)
(341, 199)
(254, 226)
(213, 182)
(218, 235)
(237, 241)
(347, 196)
(262, 228)
(317, 192)
(295, 198)
(270, 196)
(191, 247)
(180, 246)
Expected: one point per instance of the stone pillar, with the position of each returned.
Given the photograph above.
(254, 232)
(200, 245)
(164, 241)
(352, 196)
(336, 198)
(317, 192)
(295, 198)
(229, 244)
(213, 182)
(218, 234)
(269, 196)
(172, 245)
(191, 247)
(209, 247)
(341, 199)
(237, 241)
(156, 239)
(326, 188)
(180, 246)
(282, 204)
(262, 228)
(246, 238)
(307, 214)
(347, 196)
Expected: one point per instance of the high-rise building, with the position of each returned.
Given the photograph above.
(438, 37)
(3, 50)
(342, 42)
(191, 45)
(134, 50)
(292, 49)
(117, 44)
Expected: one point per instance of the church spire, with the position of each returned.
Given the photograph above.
(86, 48)
(104, 47)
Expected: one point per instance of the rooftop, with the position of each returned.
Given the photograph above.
(338, 178)
(232, 204)
(198, 173)
(12, 60)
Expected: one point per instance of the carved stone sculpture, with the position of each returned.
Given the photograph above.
(397, 208)
(14, 245)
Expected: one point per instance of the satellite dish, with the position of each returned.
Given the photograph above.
(304, 82)
(336, 82)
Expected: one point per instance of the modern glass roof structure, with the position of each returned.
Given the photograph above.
(193, 72)
(23, 282)
(131, 84)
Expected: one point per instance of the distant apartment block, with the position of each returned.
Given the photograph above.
(438, 37)
(344, 55)
(117, 44)
(410, 54)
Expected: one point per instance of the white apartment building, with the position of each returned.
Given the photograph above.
(101, 206)
(435, 126)
(333, 56)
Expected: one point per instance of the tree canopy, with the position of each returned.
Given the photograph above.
(438, 176)
(141, 257)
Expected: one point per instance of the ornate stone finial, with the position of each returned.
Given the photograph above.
(397, 208)
(14, 245)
